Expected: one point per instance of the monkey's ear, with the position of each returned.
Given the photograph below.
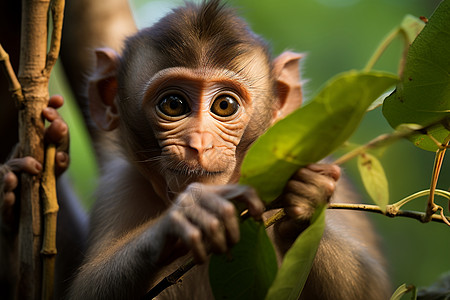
(103, 89)
(287, 75)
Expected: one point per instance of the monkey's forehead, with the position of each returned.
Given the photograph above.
(198, 78)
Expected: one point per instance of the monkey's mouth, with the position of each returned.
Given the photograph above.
(195, 172)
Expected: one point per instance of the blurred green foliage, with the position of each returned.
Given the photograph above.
(337, 35)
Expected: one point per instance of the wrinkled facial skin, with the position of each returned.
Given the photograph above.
(199, 118)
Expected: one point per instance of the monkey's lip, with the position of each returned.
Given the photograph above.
(197, 172)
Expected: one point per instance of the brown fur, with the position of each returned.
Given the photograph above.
(141, 229)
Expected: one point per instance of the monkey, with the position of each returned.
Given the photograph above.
(186, 100)
(71, 223)
(168, 195)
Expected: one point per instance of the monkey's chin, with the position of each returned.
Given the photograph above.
(177, 180)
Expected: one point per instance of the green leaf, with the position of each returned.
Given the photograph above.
(374, 179)
(248, 270)
(297, 262)
(423, 95)
(402, 290)
(312, 132)
(411, 27)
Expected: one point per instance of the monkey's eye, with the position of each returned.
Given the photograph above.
(173, 106)
(224, 106)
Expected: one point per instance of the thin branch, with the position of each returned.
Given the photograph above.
(50, 212)
(13, 83)
(390, 213)
(275, 218)
(170, 280)
(57, 8)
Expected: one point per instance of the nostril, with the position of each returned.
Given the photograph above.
(209, 146)
(200, 142)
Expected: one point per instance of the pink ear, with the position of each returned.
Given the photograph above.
(103, 89)
(287, 74)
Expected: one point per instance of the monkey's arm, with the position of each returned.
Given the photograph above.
(348, 256)
(128, 250)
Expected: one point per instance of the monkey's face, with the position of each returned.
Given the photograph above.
(198, 119)
(194, 124)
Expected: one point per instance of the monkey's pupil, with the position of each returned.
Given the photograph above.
(174, 103)
(223, 105)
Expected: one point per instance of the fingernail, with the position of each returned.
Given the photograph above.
(38, 166)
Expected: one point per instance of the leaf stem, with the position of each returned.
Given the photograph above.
(420, 194)
(388, 138)
(431, 206)
(381, 48)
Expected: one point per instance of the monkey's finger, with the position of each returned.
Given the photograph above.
(189, 234)
(9, 199)
(300, 208)
(324, 184)
(241, 194)
(58, 133)
(56, 101)
(10, 182)
(26, 164)
(62, 162)
(331, 170)
(227, 212)
(301, 189)
(212, 229)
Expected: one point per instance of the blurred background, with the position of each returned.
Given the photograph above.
(337, 35)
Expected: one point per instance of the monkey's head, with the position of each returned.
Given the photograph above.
(190, 94)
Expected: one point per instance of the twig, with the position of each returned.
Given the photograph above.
(395, 213)
(275, 218)
(50, 212)
(14, 86)
(57, 8)
(170, 280)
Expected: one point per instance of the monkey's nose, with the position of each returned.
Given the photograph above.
(200, 142)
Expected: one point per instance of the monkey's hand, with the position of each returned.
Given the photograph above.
(204, 218)
(56, 133)
(308, 188)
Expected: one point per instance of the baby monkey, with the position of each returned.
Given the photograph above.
(185, 102)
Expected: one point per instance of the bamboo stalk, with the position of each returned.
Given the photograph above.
(50, 211)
